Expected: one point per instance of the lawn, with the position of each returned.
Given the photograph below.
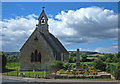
(27, 73)
(82, 62)
(116, 64)
(13, 65)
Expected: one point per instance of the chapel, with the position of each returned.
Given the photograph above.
(42, 47)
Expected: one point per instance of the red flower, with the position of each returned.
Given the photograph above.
(81, 72)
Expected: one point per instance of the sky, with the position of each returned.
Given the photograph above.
(89, 26)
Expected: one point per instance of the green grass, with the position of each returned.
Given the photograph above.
(27, 73)
(13, 65)
(116, 64)
(82, 62)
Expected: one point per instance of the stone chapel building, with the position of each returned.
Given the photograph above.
(41, 48)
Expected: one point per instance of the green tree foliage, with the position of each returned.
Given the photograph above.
(98, 64)
(72, 59)
(4, 61)
(118, 55)
(65, 65)
(13, 58)
(113, 69)
(108, 60)
(84, 57)
(73, 54)
(57, 65)
(110, 56)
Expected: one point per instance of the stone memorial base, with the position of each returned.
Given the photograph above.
(78, 70)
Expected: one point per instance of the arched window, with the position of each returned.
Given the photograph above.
(32, 57)
(35, 56)
(39, 57)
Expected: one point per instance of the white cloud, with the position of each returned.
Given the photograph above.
(112, 49)
(109, 49)
(16, 31)
(84, 25)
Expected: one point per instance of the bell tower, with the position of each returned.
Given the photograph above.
(43, 22)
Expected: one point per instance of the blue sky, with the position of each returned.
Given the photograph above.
(12, 10)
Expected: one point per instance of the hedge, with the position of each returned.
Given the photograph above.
(113, 69)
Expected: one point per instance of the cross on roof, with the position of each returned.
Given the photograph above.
(43, 7)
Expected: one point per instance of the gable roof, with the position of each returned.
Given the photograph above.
(42, 14)
(54, 43)
(28, 39)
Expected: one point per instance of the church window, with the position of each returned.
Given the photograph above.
(35, 56)
(39, 57)
(32, 57)
(36, 53)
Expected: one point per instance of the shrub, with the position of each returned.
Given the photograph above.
(4, 61)
(57, 65)
(84, 57)
(113, 69)
(98, 64)
(66, 66)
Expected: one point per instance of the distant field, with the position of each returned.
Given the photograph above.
(13, 65)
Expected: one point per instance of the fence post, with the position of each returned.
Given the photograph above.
(17, 71)
(29, 73)
(46, 71)
(42, 74)
(14, 65)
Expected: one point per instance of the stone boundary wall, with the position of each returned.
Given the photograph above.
(82, 77)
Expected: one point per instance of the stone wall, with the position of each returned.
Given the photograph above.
(31, 45)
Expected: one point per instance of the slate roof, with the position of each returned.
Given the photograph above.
(54, 43)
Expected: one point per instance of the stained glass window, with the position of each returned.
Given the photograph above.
(39, 57)
(32, 57)
(35, 56)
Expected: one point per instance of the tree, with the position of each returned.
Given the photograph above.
(108, 60)
(65, 65)
(102, 58)
(70, 59)
(13, 58)
(74, 59)
(84, 57)
(98, 64)
(118, 55)
(110, 56)
(73, 54)
(4, 61)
